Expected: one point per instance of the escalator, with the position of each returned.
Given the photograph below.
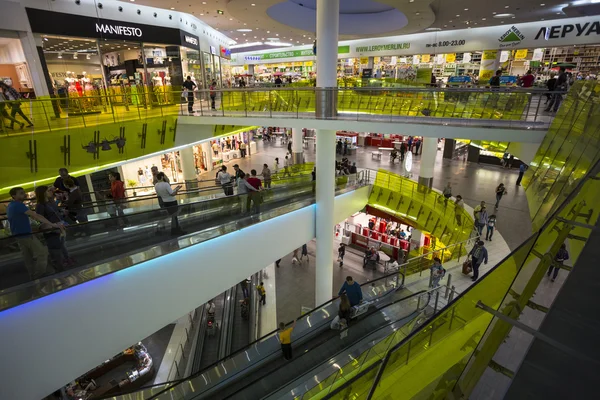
(102, 247)
(258, 370)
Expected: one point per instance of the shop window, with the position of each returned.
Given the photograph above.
(13, 69)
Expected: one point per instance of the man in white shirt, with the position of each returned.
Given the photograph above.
(167, 194)
(225, 179)
(286, 167)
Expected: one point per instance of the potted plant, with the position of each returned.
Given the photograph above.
(132, 184)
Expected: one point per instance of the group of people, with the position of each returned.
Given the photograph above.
(9, 96)
(344, 168)
(341, 147)
(189, 86)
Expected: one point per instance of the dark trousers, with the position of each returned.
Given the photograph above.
(476, 263)
(498, 198)
(56, 247)
(489, 233)
(556, 100)
(243, 152)
(212, 102)
(287, 351)
(520, 178)
(16, 109)
(552, 267)
(245, 291)
(190, 102)
(228, 190)
(263, 301)
(171, 207)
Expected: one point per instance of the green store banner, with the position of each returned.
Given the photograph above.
(290, 54)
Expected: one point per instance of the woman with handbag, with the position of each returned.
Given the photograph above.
(55, 239)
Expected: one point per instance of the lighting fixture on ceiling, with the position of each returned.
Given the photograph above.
(273, 38)
(504, 15)
(278, 44)
(542, 5)
(203, 2)
(244, 30)
(506, 6)
(417, 13)
(277, 34)
(172, 8)
(46, 39)
(433, 29)
(59, 55)
(466, 9)
(252, 4)
(242, 45)
(220, 12)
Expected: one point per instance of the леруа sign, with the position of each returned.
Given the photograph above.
(563, 32)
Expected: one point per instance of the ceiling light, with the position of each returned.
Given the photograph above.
(277, 34)
(220, 12)
(504, 15)
(278, 44)
(417, 13)
(466, 9)
(252, 4)
(273, 38)
(59, 55)
(458, 15)
(433, 29)
(243, 34)
(242, 45)
(203, 2)
(254, 37)
(201, 14)
(46, 39)
(132, 0)
(268, 31)
(506, 6)
(558, 13)
(542, 4)
(244, 30)
(411, 1)
(494, 13)
(231, 19)
(483, 19)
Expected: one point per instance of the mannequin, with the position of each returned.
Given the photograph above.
(167, 79)
(87, 84)
(156, 79)
(158, 87)
(70, 80)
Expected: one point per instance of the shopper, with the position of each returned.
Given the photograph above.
(276, 166)
(482, 219)
(189, 86)
(215, 148)
(117, 193)
(169, 201)
(304, 252)
(254, 196)
(562, 86)
(213, 95)
(286, 167)
(345, 310)
(402, 151)
(459, 206)
(346, 147)
(352, 290)
(15, 103)
(500, 191)
(54, 238)
(225, 179)
(561, 257)
(490, 227)
(437, 272)
(74, 205)
(35, 254)
(551, 85)
(495, 80)
(478, 255)
(266, 174)
(353, 169)
(285, 338)
(243, 149)
(239, 174)
(522, 169)
(447, 192)
(244, 188)
(262, 292)
(4, 115)
(244, 285)
(341, 254)
(63, 174)
(527, 79)
(417, 145)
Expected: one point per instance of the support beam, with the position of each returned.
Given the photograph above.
(297, 148)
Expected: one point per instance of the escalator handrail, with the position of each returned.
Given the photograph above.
(307, 314)
(277, 189)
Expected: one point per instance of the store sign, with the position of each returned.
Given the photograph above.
(538, 55)
(57, 23)
(466, 57)
(364, 60)
(504, 55)
(425, 58)
(566, 32)
(521, 54)
(416, 59)
(459, 79)
(119, 30)
(225, 52)
(451, 57)
(251, 58)
(191, 40)
(213, 50)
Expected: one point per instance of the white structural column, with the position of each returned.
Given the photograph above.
(188, 166)
(430, 146)
(297, 147)
(328, 20)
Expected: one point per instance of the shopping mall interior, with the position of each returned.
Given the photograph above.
(317, 199)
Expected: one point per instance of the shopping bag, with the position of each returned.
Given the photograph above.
(335, 324)
(467, 267)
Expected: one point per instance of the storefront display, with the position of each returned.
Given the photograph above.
(99, 382)
(97, 56)
(13, 68)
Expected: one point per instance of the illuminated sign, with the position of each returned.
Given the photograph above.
(119, 30)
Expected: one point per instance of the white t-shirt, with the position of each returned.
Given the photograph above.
(165, 192)
(286, 162)
(224, 178)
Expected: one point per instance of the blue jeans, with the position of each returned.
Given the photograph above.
(479, 227)
(489, 233)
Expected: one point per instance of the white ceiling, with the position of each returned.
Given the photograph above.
(421, 14)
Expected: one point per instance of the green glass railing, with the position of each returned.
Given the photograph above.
(429, 362)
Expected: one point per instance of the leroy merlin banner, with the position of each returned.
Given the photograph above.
(532, 35)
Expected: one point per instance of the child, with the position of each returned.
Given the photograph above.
(490, 227)
(262, 292)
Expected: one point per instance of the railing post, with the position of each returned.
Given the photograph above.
(177, 370)
(537, 110)
(270, 105)
(448, 286)
(437, 298)
(183, 354)
(451, 297)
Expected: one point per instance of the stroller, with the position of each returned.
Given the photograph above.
(371, 258)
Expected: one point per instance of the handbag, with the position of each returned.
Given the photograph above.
(467, 267)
